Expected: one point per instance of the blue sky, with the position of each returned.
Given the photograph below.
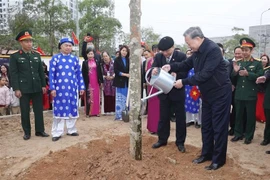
(215, 17)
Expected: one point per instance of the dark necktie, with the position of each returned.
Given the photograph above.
(168, 60)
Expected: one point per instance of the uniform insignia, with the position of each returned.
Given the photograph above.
(251, 66)
(22, 58)
(26, 33)
(266, 68)
(20, 51)
(244, 41)
(35, 57)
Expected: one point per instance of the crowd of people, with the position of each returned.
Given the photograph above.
(210, 91)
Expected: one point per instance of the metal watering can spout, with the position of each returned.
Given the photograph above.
(162, 81)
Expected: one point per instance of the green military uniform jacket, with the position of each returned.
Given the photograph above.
(26, 70)
(246, 87)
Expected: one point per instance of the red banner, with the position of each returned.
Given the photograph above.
(75, 39)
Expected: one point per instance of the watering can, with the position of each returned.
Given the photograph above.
(162, 81)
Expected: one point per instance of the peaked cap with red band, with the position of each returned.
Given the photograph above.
(26, 34)
(246, 42)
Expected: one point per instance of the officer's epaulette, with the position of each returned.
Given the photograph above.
(257, 59)
(35, 52)
(238, 60)
(266, 68)
(15, 52)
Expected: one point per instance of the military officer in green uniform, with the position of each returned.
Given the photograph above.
(28, 82)
(245, 72)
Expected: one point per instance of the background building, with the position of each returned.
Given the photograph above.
(262, 36)
(5, 11)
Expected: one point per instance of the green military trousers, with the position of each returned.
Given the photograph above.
(37, 108)
(240, 106)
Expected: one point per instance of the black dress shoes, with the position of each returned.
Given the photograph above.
(235, 138)
(265, 142)
(73, 134)
(42, 134)
(231, 132)
(213, 166)
(56, 138)
(158, 145)
(181, 148)
(267, 152)
(247, 141)
(201, 159)
(26, 136)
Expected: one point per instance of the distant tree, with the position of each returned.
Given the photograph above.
(54, 21)
(229, 45)
(97, 20)
(49, 20)
(148, 36)
(183, 47)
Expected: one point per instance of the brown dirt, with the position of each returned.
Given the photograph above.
(102, 152)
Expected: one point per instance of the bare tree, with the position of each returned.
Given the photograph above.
(135, 80)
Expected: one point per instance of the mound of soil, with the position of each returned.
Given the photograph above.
(110, 159)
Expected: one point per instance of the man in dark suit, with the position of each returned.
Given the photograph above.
(175, 98)
(213, 80)
(28, 82)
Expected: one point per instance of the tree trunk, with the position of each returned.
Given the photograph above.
(135, 79)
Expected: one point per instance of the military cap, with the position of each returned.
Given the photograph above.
(246, 42)
(65, 40)
(26, 34)
(165, 43)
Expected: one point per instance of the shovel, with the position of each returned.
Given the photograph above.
(125, 114)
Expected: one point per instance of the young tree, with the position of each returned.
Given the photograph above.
(97, 20)
(135, 79)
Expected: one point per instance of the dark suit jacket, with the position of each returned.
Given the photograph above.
(85, 70)
(160, 60)
(120, 81)
(210, 71)
(266, 103)
(143, 76)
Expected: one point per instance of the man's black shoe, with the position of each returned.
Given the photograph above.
(42, 134)
(73, 134)
(181, 148)
(267, 152)
(247, 141)
(173, 119)
(56, 138)
(235, 138)
(201, 159)
(26, 136)
(189, 124)
(158, 145)
(213, 166)
(231, 132)
(197, 125)
(265, 142)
